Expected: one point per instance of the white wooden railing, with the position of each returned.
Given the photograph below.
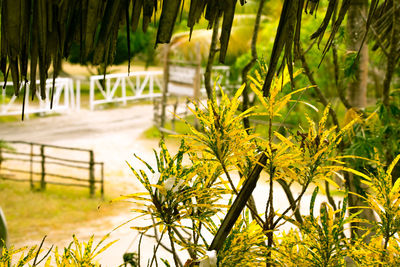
(63, 100)
(114, 87)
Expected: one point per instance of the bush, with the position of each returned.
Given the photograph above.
(186, 203)
(186, 195)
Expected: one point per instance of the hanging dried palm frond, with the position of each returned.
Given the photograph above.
(290, 21)
(167, 20)
(195, 11)
(335, 27)
(386, 24)
(328, 15)
(44, 30)
(229, 11)
(214, 9)
(386, 28)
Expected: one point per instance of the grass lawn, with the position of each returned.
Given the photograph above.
(179, 127)
(31, 215)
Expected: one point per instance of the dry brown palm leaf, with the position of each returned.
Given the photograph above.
(195, 11)
(213, 10)
(44, 30)
(290, 22)
(12, 21)
(229, 12)
(34, 51)
(109, 22)
(386, 16)
(386, 22)
(168, 17)
(24, 38)
(94, 13)
(328, 15)
(3, 42)
(136, 10)
(284, 38)
(148, 8)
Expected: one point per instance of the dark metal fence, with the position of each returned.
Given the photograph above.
(50, 164)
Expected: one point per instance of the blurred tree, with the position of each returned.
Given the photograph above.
(356, 27)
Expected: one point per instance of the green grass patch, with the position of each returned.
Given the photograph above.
(178, 126)
(15, 118)
(31, 215)
(18, 118)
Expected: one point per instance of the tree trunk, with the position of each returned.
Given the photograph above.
(357, 92)
(357, 87)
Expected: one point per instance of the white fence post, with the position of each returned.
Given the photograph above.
(108, 85)
(123, 92)
(62, 85)
(78, 94)
(151, 85)
(91, 93)
(120, 81)
(72, 93)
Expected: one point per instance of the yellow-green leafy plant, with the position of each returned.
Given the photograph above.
(24, 254)
(318, 240)
(185, 201)
(245, 245)
(81, 253)
(180, 201)
(384, 199)
(305, 157)
(222, 137)
(77, 254)
(289, 250)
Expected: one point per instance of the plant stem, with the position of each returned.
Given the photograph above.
(329, 196)
(269, 215)
(289, 195)
(156, 248)
(192, 254)
(292, 205)
(339, 86)
(196, 237)
(238, 204)
(139, 245)
(176, 258)
(161, 244)
(249, 204)
(269, 209)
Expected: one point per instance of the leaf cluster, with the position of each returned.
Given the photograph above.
(76, 254)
